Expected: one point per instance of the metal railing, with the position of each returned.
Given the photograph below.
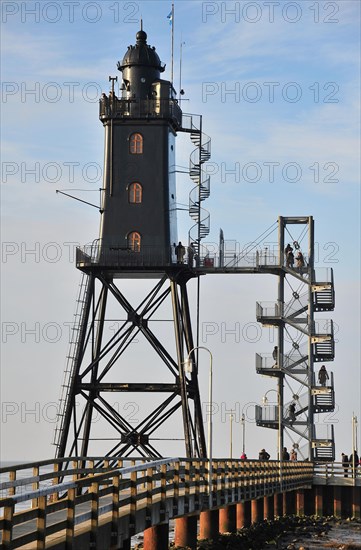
(333, 473)
(140, 108)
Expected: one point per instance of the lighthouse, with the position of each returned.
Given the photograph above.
(138, 220)
(137, 240)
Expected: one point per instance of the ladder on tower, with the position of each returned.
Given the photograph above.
(71, 358)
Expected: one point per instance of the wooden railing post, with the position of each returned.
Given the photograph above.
(55, 496)
(149, 496)
(223, 481)
(115, 513)
(91, 465)
(74, 466)
(41, 523)
(35, 486)
(7, 533)
(70, 518)
(163, 491)
(94, 514)
(239, 479)
(196, 482)
(133, 502)
(12, 477)
(175, 487)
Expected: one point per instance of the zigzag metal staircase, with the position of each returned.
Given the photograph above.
(72, 357)
(296, 362)
(201, 191)
(324, 295)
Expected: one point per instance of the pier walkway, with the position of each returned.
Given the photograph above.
(102, 502)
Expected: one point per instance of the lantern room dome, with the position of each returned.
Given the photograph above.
(141, 55)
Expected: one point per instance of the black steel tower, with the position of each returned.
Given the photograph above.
(138, 234)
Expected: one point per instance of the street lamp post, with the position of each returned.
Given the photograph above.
(243, 421)
(279, 444)
(188, 366)
(231, 434)
(354, 443)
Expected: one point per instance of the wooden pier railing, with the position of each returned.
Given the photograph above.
(63, 502)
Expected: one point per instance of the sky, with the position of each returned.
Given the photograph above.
(278, 86)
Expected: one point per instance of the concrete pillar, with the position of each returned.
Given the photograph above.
(337, 501)
(288, 503)
(300, 502)
(319, 501)
(257, 510)
(243, 512)
(208, 525)
(291, 502)
(186, 532)
(356, 499)
(268, 507)
(309, 502)
(156, 538)
(278, 504)
(227, 519)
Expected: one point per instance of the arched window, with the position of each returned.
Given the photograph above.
(134, 240)
(136, 144)
(135, 193)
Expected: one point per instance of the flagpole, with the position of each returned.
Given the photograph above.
(180, 70)
(172, 63)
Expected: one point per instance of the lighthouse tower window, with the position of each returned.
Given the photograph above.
(135, 193)
(136, 144)
(134, 240)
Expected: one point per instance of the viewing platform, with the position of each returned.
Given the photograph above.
(120, 257)
(323, 396)
(145, 109)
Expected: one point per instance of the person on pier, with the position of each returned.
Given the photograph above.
(285, 454)
(344, 459)
(263, 455)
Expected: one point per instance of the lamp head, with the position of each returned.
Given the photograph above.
(188, 365)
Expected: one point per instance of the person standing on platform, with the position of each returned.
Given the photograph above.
(290, 260)
(344, 459)
(354, 461)
(293, 456)
(180, 252)
(191, 252)
(300, 262)
(263, 455)
(323, 376)
(275, 355)
(285, 454)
